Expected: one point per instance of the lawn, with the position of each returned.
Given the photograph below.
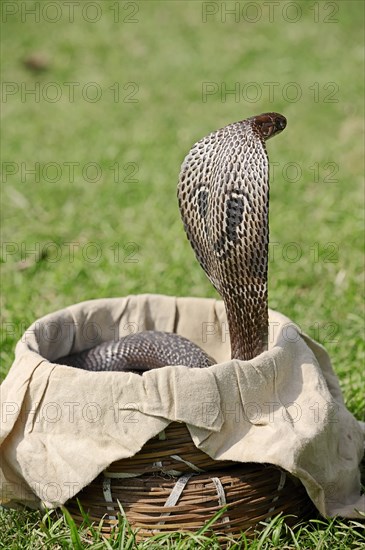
(102, 101)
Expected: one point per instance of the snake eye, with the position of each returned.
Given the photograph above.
(269, 124)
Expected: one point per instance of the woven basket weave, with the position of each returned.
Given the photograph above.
(171, 452)
(160, 490)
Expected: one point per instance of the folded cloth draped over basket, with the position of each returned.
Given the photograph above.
(62, 426)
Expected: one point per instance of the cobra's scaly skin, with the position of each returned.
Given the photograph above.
(223, 196)
(140, 352)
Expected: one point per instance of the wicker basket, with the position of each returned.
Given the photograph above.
(172, 452)
(160, 490)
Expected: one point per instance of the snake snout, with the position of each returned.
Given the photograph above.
(280, 123)
(269, 124)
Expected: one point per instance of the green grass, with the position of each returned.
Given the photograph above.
(30, 530)
(162, 61)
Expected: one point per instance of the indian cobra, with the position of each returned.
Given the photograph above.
(223, 194)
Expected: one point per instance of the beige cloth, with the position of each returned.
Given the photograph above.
(62, 426)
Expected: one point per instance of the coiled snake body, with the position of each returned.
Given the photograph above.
(223, 195)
